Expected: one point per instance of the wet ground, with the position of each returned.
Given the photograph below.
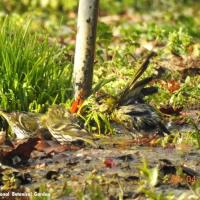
(120, 167)
(112, 169)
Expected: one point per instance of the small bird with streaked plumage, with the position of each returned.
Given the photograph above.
(23, 124)
(64, 126)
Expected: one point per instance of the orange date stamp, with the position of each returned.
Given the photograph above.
(176, 179)
(191, 179)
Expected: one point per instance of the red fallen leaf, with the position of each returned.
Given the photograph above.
(20, 154)
(169, 110)
(173, 86)
(109, 163)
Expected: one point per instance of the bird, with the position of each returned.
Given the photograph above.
(129, 108)
(64, 126)
(23, 124)
(139, 118)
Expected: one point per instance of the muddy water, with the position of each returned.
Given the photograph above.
(113, 169)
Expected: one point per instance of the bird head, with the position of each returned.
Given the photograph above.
(57, 113)
(106, 102)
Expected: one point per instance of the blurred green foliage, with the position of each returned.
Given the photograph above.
(111, 6)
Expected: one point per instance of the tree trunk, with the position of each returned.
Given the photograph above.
(85, 47)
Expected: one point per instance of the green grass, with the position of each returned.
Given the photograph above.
(34, 73)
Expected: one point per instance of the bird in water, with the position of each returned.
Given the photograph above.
(129, 108)
(23, 124)
(60, 123)
(139, 118)
(64, 127)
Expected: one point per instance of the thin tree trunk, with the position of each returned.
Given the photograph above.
(85, 47)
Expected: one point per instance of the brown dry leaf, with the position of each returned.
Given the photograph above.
(141, 141)
(169, 110)
(173, 86)
(191, 180)
(124, 145)
(20, 154)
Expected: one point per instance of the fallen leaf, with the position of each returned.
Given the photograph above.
(169, 110)
(20, 154)
(173, 86)
(109, 163)
(191, 179)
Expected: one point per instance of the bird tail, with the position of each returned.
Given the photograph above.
(136, 88)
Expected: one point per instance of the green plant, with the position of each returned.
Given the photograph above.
(92, 189)
(9, 180)
(34, 73)
(149, 179)
(95, 119)
(188, 94)
(104, 34)
(150, 176)
(196, 133)
(178, 42)
(196, 189)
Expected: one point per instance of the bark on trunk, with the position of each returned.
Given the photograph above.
(85, 47)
